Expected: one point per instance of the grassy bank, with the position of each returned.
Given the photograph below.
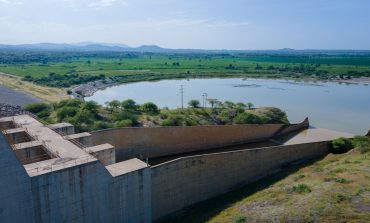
(334, 189)
(45, 93)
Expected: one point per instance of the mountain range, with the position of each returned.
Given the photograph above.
(117, 47)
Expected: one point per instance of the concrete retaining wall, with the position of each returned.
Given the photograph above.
(163, 141)
(293, 128)
(189, 180)
(87, 193)
(15, 187)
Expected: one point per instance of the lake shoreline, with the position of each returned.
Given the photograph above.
(90, 88)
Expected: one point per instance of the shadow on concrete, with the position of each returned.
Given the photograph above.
(206, 210)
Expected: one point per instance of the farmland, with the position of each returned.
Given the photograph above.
(57, 69)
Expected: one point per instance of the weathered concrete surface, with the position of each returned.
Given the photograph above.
(164, 141)
(188, 180)
(313, 134)
(63, 127)
(15, 187)
(71, 185)
(83, 193)
(84, 138)
(105, 153)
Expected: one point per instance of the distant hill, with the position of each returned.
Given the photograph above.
(117, 47)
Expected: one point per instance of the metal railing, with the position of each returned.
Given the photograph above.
(60, 164)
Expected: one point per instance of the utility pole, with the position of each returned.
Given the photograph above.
(204, 95)
(182, 96)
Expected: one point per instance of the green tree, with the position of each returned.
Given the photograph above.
(112, 105)
(228, 104)
(149, 107)
(212, 102)
(91, 106)
(250, 105)
(129, 104)
(194, 103)
(240, 106)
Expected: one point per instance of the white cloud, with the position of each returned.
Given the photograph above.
(17, 2)
(96, 4)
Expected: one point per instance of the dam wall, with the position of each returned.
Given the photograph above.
(163, 141)
(173, 186)
(89, 192)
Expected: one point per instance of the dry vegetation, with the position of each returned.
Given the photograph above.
(335, 189)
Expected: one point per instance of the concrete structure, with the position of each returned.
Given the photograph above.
(51, 179)
(163, 141)
(51, 174)
(63, 128)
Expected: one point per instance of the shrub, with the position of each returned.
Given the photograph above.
(66, 112)
(37, 107)
(300, 176)
(362, 143)
(126, 115)
(173, 120)
(69, 102)
(341, 145)
(340, 197)
(123, 123)
(342, 180)
(247, 118)
(302, 189)
(240, 219)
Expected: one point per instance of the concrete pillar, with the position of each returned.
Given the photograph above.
(64, 128)
(105, 153)
(84, 138)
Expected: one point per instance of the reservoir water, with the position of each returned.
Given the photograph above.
(338, 106)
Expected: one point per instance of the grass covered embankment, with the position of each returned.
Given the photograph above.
(45, 93)
(334, 189)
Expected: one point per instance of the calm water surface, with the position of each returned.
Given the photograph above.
(341, 107)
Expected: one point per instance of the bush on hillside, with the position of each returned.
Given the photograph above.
(362, 143)
(247, 118)
(341, 145)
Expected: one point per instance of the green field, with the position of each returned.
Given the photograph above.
(60, 70)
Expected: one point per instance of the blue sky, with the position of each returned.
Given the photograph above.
(205, 24)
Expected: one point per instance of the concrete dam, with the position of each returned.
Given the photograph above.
(51, 174)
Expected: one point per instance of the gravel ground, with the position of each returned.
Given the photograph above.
(14, 97)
